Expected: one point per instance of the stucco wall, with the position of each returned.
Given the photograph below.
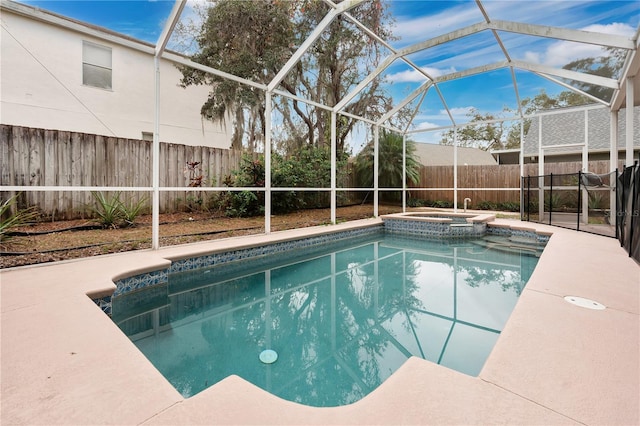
(41, 86)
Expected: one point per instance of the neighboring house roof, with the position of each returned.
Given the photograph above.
(442, 155)
(568, 127)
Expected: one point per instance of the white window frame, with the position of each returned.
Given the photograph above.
(99, 59)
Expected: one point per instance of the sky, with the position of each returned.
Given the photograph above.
(420, 20)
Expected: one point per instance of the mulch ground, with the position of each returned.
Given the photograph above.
(60, 240)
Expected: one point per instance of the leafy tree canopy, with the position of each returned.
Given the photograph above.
(256, 48)
(486, 136)
(264, 35)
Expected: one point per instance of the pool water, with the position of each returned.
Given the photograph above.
(340, 322)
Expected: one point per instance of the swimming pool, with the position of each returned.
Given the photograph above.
(341, 321)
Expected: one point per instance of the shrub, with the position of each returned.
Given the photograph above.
(308, 167)
(442, 204)
(390, 171)
(509, 206)
(9, 220)
(244, 204)
(596, 200)
(131, 210)
(415, 202)
(552, 201)
(486, 205)
(111, 212)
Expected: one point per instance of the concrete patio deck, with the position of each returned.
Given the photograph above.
(64, 361)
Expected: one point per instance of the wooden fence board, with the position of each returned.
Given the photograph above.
(50, 204)
(77, 172)
(51, 157)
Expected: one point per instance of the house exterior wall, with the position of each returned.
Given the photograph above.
(569, 128)
(41, 86)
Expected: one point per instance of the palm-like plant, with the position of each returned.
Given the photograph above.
(9, 220)
(390, 162)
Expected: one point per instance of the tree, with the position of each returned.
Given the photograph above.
(390, 162)
(608, 65)
(256, 49)
(265, 34)
(542, 101)
(341, 58)
(486, 136)
(491, 136)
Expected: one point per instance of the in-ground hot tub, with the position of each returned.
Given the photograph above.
(438, 224)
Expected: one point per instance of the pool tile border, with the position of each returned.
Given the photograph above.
(137, 282)
(395, 226)
(269, 249)
(434, 229)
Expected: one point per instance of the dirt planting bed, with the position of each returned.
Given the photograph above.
(53, 241)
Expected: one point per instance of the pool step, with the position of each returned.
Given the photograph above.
(524, 240)
(461, 225)
(510, 244)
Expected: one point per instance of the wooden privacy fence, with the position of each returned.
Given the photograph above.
(489, 176)
(38, 157)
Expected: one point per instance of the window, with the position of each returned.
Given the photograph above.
(147, 136)
(96, 65)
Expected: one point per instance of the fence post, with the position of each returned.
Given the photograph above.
(617, 223)
(550, 198)
(522, 195)
(579, 200)
(528, 198)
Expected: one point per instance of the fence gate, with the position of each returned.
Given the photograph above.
(580, 201)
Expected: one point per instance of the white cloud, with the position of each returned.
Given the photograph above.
(615, 28)
(533, 57)
(413, 76)
(441, 118)
(423, 125)
(561, 53)
(411, 30)
(458, 112)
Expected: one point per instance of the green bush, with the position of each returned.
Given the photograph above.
(131, 210)
(9, 220)
(415, 202)
(442, 204)
(486, 205)
(309, 167)
(597, 200)
(112, 212)
(509, 206)
(390, 167)
(552, 201)
(244, 204)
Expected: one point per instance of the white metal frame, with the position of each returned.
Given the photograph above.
(623, 92)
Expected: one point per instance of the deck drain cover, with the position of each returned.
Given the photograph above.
(268, 356)
(584, 303)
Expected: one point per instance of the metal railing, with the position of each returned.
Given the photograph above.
(581, 201)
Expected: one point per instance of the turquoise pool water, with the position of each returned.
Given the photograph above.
(341, 322)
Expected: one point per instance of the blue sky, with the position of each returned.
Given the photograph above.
(419, 20)
(139, 19)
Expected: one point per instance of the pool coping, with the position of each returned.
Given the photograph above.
(64, 362)
(441, 217)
